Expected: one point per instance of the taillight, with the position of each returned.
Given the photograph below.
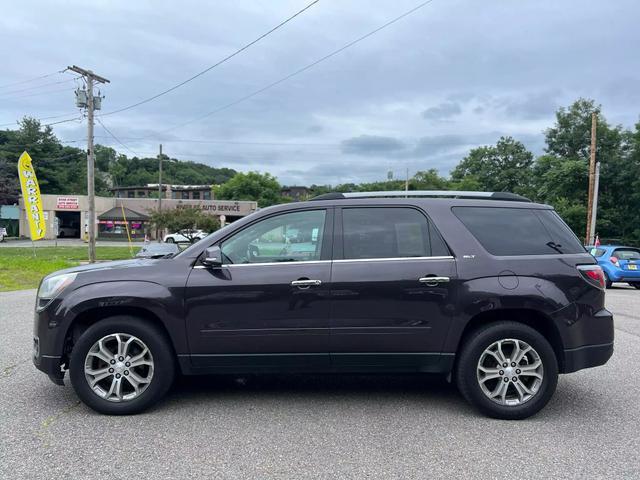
(593, 274)
(614, 260)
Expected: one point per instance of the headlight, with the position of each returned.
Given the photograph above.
(51, 287)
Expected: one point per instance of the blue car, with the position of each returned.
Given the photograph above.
(620, 264)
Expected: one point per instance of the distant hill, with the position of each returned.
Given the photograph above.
(63, 170)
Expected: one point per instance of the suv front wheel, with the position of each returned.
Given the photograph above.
(507, 370)
(121, 365)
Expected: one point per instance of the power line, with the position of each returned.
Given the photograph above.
(114, 137)
(31, 79)
(301, 70)
(63, 121)
(40, 86)
(220, 62)
(35, 94)
(42, 118)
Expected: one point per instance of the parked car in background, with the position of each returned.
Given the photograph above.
(68, 231)
(490, 290)
(158, 250)
(3, 233)
(185, 236)
(620, 263)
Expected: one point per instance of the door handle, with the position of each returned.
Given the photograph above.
(306, 283)
(433, 281)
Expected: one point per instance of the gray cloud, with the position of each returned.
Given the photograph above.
(442, 111)
(431, 65)
(372, 145)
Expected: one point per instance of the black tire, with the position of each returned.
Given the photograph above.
(61, 234)
(170, 240)
(635, 285)
(471, 352)
(156, 342)
(607, 283)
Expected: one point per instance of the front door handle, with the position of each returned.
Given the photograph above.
(433, 281)
(306, 283)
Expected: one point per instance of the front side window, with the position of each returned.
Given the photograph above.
(290, 237)
(389, 233)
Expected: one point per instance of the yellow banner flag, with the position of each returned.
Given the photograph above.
(31, 197)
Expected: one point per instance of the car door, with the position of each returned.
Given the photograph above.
(393, 282)
(267, 306)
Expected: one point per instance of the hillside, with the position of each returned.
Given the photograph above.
(62, 169)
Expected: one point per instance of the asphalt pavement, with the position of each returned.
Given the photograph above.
(319, 426)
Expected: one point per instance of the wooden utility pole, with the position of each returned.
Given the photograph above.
(159, 232)
(90, 78)
(592, 175)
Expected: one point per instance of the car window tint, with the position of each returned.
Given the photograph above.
(387, 233)
(626, 254)
(290, 237)
(507, 231)
(562, 235)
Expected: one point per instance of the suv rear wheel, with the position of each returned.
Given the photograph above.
(507, 370)
(121, 365)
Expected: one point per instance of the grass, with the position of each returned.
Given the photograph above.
(19, 269)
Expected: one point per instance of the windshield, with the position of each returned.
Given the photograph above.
(197, 244)
(627, 254)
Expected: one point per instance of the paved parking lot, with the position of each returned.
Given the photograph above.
(319, 426)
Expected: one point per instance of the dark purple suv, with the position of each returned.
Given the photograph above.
(491, 290)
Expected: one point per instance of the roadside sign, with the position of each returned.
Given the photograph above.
(31, 197)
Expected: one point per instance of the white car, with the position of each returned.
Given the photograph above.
(185, 236)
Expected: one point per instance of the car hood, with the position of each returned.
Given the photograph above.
(113, 265)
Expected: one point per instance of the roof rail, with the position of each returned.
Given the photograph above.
(425, 193)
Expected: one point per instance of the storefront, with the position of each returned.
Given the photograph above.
(122, 223)
(67, 216)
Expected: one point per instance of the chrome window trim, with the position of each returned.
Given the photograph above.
(346, 260)
(393, 259)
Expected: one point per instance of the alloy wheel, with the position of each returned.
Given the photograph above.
(119, 367)
(510, 372)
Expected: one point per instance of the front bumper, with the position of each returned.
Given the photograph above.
(587, 356)
(51, 365)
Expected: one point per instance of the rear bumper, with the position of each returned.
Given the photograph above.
(620, 275)
(586, 356)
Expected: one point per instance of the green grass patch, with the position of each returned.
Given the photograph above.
(19, 269)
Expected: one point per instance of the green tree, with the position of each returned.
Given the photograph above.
(259, 187)
(184, 220)
(505, 167)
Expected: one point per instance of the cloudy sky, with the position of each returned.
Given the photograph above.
(418, 94)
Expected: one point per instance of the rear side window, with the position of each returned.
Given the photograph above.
(562, 235)
(518, 231)
(597, 252)
(389, 233)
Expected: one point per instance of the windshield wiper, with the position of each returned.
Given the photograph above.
(556, 246)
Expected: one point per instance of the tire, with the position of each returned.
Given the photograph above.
(61, 234)
(160, 373)
(607, 283)
(635, 285)
(468, 374)
(170, 240)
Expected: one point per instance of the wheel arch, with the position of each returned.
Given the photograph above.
(533, 318)
(91, 316)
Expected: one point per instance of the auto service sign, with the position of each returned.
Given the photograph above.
(63, 203)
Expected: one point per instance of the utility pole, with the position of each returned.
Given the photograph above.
(159, 232)
(90, 78)
(594, 210)
(406, 184)
(592, 174)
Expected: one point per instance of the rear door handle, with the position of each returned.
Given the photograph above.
(433, 281)
(306, 283)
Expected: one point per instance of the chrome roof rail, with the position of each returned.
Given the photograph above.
(425, 193)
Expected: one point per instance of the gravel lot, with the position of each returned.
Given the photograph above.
(319, 426)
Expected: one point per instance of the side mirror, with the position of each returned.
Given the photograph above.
(212, 257)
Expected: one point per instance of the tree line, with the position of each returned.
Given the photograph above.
(62, 169)
(558, 177)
